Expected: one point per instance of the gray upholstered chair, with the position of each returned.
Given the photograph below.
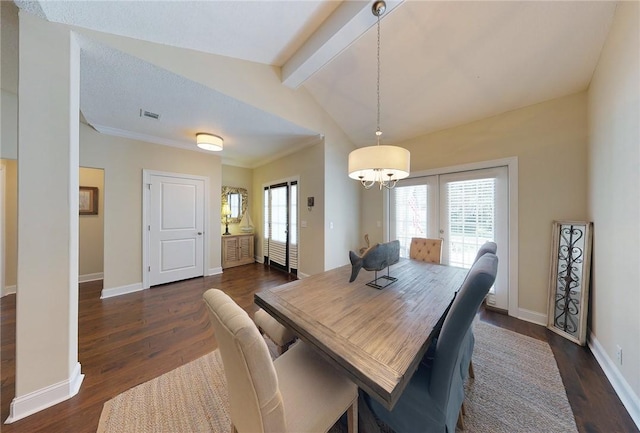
(298, 392)
(427, 250)
(275, 331)
(487, 247)
(470, 339)
(432, 400)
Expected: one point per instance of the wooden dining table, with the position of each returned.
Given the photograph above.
(377, 337)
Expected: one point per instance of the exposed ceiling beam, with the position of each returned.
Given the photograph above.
(346, 24)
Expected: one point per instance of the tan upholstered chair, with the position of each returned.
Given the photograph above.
(281, 336)
(298, 392)
(427, 250)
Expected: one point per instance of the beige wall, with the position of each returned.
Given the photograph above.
(46, 320)
(10, 223)
(260, 86)
(550, 142)
(308, 167)
(91, 241)
(9, 122)
(614, 199)
(238, 177)
(123, 161)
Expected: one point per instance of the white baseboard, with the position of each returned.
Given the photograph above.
(301, 275)
(215, 271)
(36, 401)
(122, 290)
(532, 316)
(9, 290)
(629, 399)
(259, 259)
(91, 277)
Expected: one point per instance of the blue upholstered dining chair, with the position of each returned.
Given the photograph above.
(432, 400)
(466, 366)
(487, 247)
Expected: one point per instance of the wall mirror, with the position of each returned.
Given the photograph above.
(237, 199)
(569, 279)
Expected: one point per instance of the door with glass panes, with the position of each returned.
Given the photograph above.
(464, 209)
(280, 242)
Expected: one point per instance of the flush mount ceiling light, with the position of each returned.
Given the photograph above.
(384, 165)
(209, 142)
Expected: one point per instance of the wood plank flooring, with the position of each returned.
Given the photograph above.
(130, 339)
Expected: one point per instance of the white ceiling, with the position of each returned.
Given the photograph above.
(442, 64)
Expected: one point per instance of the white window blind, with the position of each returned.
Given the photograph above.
(471, 210)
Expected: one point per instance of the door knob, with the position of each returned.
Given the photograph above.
(199, 233)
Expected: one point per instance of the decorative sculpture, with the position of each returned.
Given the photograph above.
(376, 258)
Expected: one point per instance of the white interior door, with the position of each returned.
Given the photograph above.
(176, 228)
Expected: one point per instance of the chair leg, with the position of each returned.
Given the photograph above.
(352, 417)
(460, 423)
(233, 429)
(472, 375)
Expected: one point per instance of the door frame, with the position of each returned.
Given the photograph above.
(512, 167)
(146, 204)
(287, 180)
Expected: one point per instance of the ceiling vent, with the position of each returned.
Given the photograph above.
(149, 114)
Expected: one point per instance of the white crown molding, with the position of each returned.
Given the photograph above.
(145, 137)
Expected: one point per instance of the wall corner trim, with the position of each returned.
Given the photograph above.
(214, 271)
(91, 277)
(28, 404)
(9, 290)
(532, 316)
(122, 290)
(629, 399)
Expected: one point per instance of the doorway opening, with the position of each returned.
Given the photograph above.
(280, 243)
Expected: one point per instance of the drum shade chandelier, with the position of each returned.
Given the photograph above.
(209, 142)
(380, 164)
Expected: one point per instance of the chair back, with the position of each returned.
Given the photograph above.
(255, 401)
(487, 247)
(426, 250)
(446, 385)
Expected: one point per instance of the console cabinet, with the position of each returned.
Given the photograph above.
(237, 250)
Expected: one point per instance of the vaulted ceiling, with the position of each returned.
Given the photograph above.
(443, 63)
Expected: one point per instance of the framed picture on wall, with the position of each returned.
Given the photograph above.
(88, 202)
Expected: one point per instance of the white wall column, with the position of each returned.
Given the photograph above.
(47, 367)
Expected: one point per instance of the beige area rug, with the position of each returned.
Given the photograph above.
(517, 389)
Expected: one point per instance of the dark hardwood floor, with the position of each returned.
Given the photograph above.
(130, 339)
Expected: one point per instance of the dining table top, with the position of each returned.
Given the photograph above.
(375, 336)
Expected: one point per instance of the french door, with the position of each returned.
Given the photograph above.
(464, 209)
(280, 243)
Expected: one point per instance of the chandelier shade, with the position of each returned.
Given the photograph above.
(384, 165)
(209, 142)
(379, 163)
